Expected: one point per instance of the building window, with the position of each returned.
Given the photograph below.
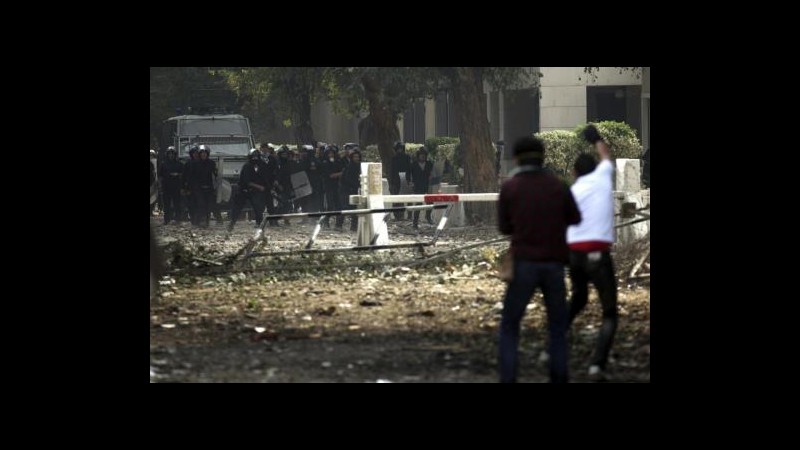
(414, 123)
(521, 115)
(617, 103)
(446, 119)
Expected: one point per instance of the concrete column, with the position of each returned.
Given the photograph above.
(372, 187)
(628, 234)
(430, 118)
(456, 216)
(629, 175)
(501, 116)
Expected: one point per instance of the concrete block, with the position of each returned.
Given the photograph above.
(629, 175)
(456, 218)
(631, 233)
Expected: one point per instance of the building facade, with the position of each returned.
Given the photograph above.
(567, 97)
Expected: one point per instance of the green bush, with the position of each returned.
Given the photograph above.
(370, 154)
(561, 149)
(412, 148)
(432, 144)
(620, 136)
(563, 146)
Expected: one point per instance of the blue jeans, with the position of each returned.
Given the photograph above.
(528, 275)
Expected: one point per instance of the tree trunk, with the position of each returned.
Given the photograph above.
(476, 142)
(384, 122)
(303, 131)
(298, 85)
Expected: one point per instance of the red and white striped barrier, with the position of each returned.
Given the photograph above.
(372, 197)
(441, 198)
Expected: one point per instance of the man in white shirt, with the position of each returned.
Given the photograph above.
(590, 245)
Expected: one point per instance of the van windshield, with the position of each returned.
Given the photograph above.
(220, 146)
(220, 125)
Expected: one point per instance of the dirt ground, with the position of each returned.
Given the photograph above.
(386, 316)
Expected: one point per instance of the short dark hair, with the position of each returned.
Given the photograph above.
(584, 163)
(529, 150)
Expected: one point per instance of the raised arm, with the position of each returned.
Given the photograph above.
(591, 134)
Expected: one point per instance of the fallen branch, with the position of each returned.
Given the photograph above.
(456, 250)
(631, 222)
(207, 261)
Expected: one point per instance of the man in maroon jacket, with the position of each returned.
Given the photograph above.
(535, 208)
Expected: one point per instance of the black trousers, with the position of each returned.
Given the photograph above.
(599, 270)
(172, 204)
(394, 189)
(428, 213)
(203, 200)
(258, 200)
(334, 204)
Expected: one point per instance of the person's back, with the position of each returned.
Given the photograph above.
(532, 210)
(594, 194)
(401, 161)
(535, 208)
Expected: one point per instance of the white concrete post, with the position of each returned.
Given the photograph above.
(456, 216)
(372, 189)
(629, 175)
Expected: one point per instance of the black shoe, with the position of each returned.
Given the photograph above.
(430, 221)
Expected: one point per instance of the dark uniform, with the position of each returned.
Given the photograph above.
(401, 162)
(152, 181)
(201, 186)
(254, 172)
(349, 184)
(420, 175)
(272, 174)
(331, 171)
(284, 178)
(186, 195)
(170, 175)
